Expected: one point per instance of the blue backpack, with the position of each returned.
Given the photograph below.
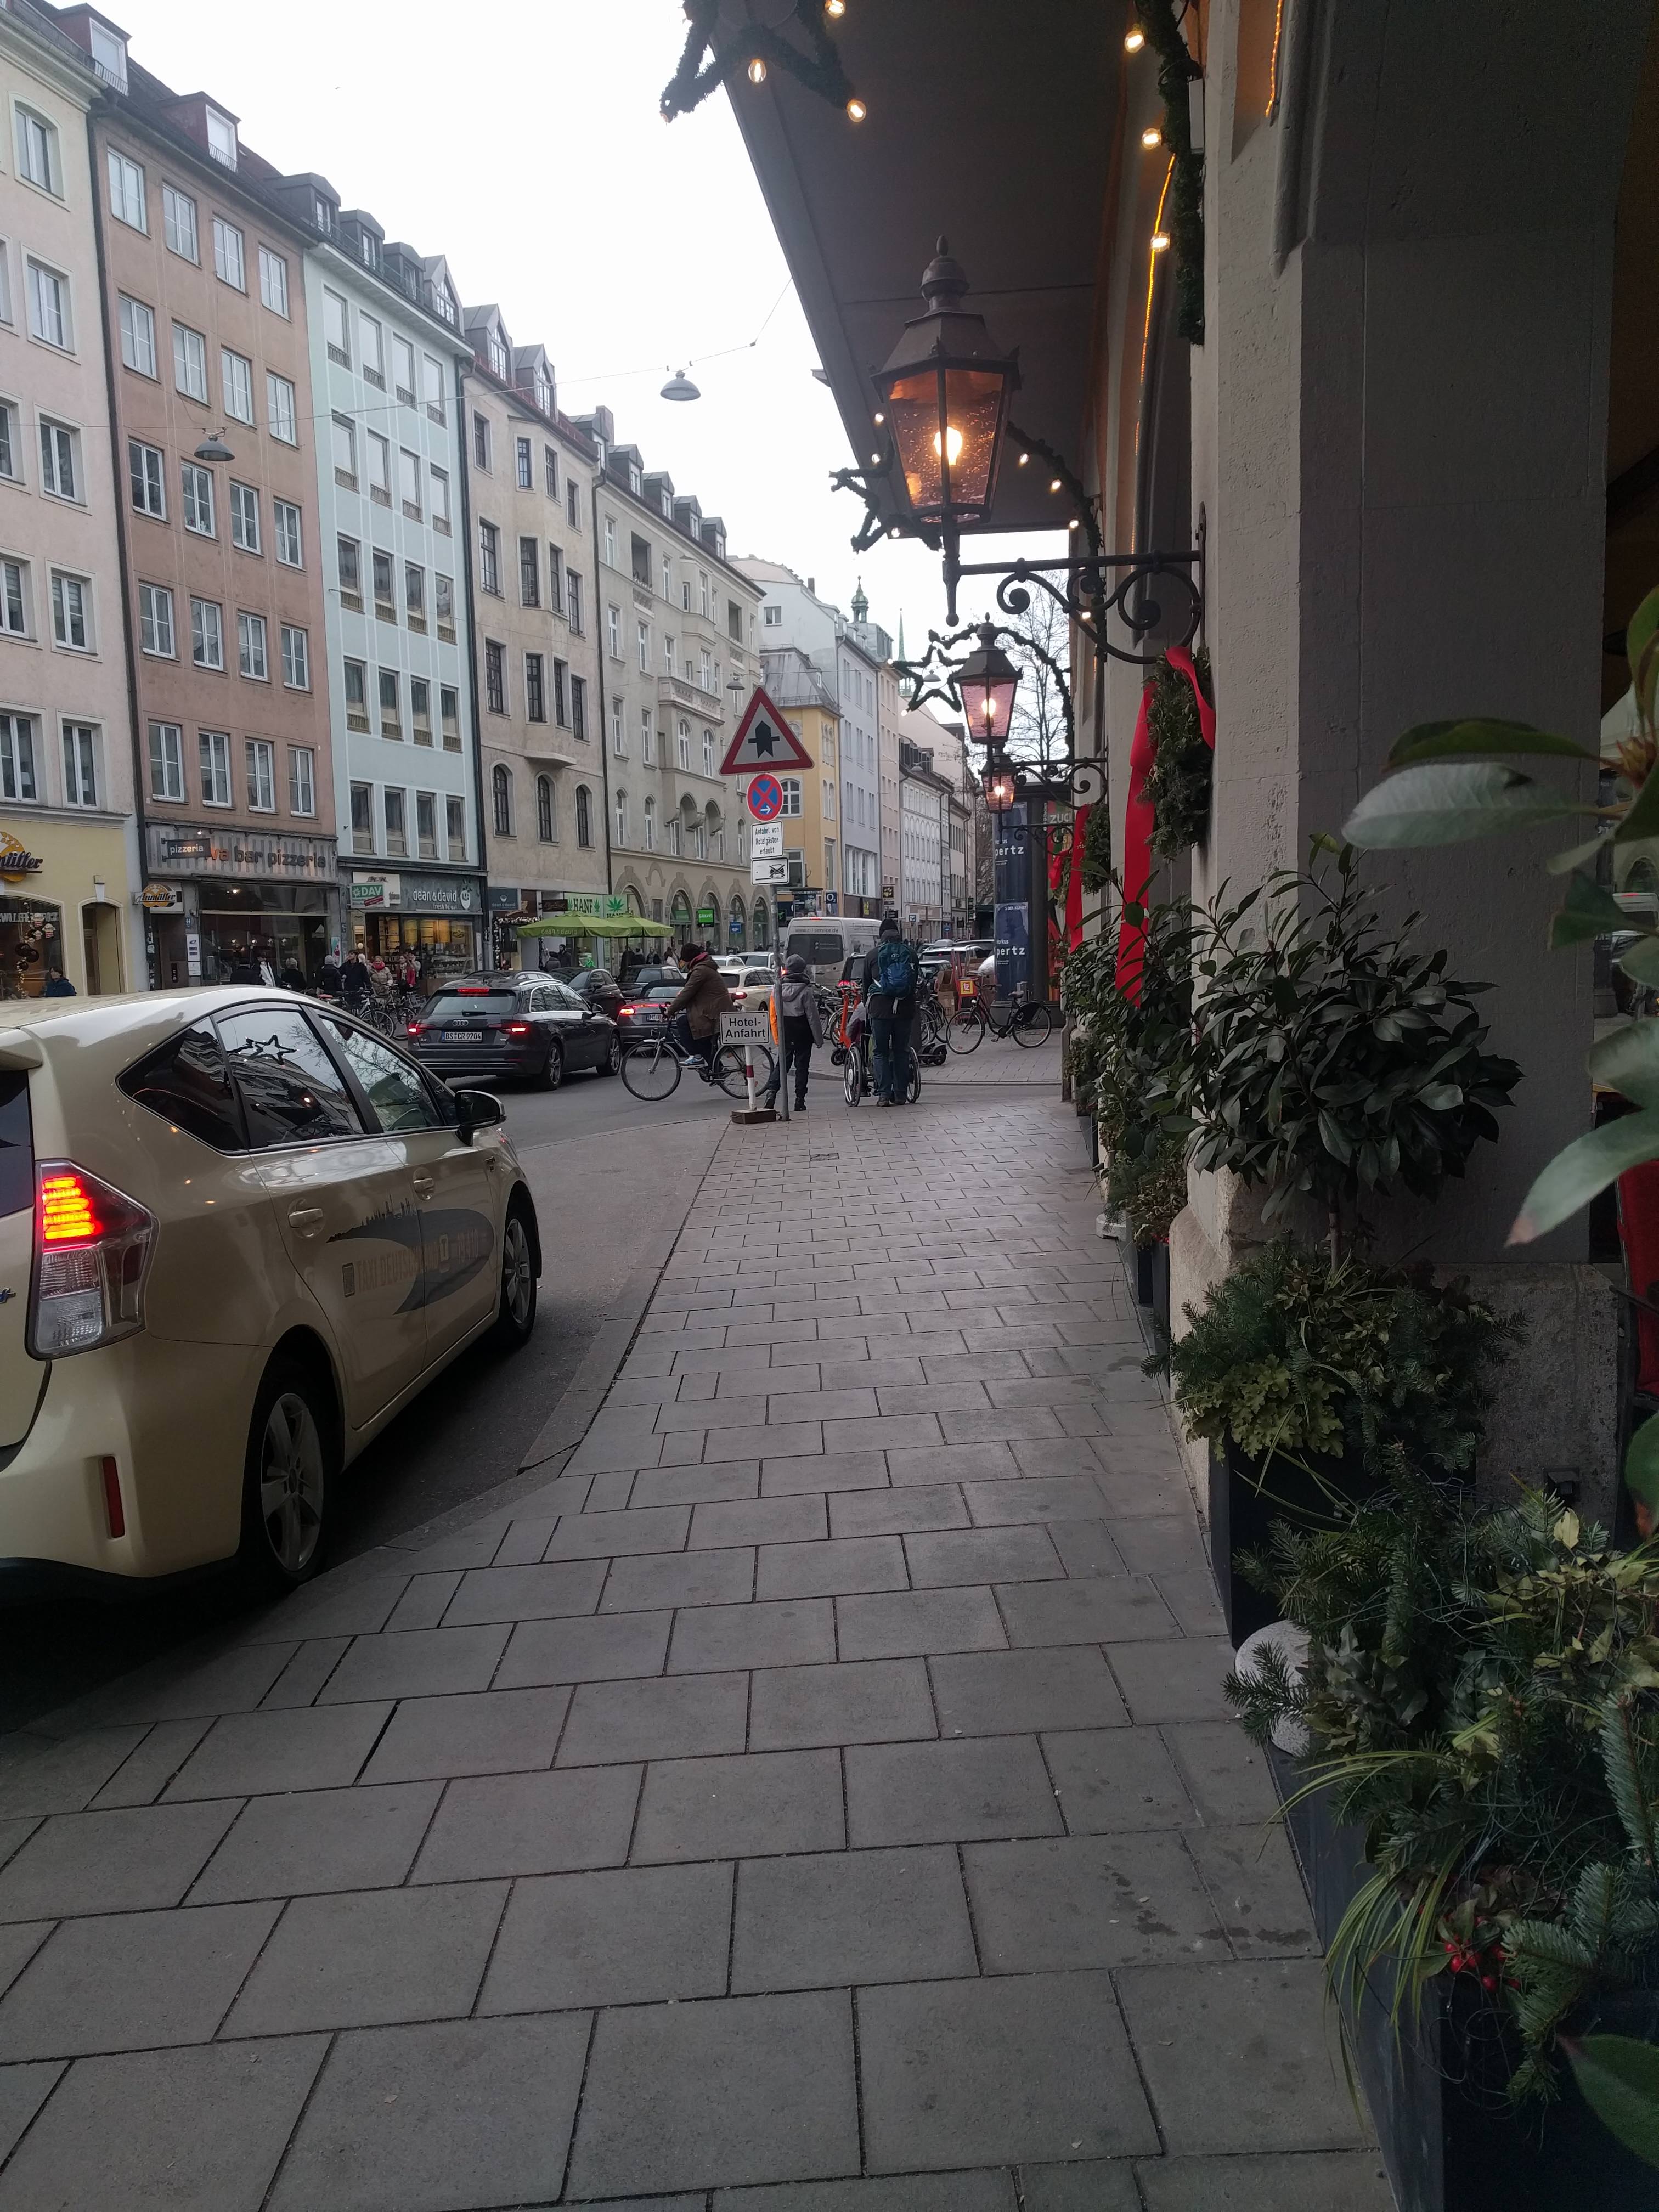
(895, 968)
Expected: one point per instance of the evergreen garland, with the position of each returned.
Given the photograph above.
(1175, 70)
(1095, 859)
(818, 68)
(1178, 782)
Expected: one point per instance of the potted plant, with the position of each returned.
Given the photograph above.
(1303, 1372)
(1478, 1819)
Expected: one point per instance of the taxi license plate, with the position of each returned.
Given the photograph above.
(463, 1036)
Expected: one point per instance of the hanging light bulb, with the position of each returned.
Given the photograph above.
(1054, 484)
(1152, 136)
(952, 448)
(856, 111)
(757, 71)
(835, 8)
(878, 417)
(1159, 241)
(1135, 40)
(1024, 458)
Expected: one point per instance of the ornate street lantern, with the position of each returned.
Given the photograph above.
(1000, 789)
(985, 682)
(944, 392)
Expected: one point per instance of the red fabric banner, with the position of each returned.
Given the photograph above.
(1138, 821)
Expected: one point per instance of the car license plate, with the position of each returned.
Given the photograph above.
(463, 1036)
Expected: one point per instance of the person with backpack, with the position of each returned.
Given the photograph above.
(892, 972)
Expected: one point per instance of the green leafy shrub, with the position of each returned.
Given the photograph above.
(1179, 781)
(1097, 856)
(1295, 1353)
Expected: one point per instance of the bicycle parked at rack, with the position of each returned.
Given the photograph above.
(1027, 1025)
(651, 1068)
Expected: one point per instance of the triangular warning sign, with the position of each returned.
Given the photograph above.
(763, 740)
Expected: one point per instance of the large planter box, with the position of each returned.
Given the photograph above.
(1449, 2137)
(1246, 1497)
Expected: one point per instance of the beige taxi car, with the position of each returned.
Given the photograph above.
(239, 1231)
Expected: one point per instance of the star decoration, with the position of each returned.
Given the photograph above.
(813, 62)
(934, 677)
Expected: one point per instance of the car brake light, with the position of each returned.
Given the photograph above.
(92, 1243)
(412, 1028)
(473, 990)
(630, 1010)
(516, 1028)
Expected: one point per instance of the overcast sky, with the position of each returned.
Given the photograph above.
(522, 139)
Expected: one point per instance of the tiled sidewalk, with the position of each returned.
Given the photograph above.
(819, 1798)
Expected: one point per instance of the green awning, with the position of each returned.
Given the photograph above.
(593, 924)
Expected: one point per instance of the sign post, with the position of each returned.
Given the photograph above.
(747, 1026)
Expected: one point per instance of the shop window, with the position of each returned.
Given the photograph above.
(17, 767)
(291, 1091)
(81, 764)
(31, 946)
(187, 1081)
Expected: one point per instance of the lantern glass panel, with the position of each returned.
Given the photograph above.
(990, 704)
(972, 404)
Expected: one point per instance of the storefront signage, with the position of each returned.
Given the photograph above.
(195, 849)
(706, 917)
(161, 898)
(374, 890)
(16, 862)
(439, 895)
(502, 901)
(580, 903)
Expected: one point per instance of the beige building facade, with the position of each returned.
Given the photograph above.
(812, 816)
(70, 868)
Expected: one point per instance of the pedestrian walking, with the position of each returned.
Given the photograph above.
(800, 1026)
(891, 971)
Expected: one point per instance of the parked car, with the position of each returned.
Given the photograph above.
(748, 982)
(238, 1233)
(528, 1027)
(664, 971)
(596, 987)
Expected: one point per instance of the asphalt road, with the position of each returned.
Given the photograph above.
(607, 1172)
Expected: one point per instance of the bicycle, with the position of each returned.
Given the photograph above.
(651, 1068)
(936, 1024)
(855, 1071)
(1027, 1025)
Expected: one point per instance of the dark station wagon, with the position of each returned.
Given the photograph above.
(530, 1028)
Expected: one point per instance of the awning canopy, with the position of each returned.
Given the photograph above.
(593, 924)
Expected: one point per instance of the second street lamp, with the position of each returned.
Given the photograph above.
(985, 684)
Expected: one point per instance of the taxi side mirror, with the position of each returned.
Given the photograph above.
(478, 1110)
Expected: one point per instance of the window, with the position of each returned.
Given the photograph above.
(198, 499)
(647, 737)
(705, 670)
(578, 707)
(683, 734)
(227, 253)
(668, 577)
(420, 709)
(439, 479)
(296, 658)
(391, 719)
(449, 713)
(38, 159)
(425, 824)
(251, 648)
(402, 369)
(11, 449)
(432, 386)
(572, 508)
(708, 752)
(356, 697)
(14, 598)
(501, 793)
(734, 621)
(362, 817)
(489, 565)
(443, 606)
(530, 572)
(535, 696)
(573, 594)
(610, 541)
(71, 611)
(137, 336)
(480, 440)
(281, 416)
(347, 563)
(166, 761)
(702, 591)
(620, 810)
(494, 677)
(378, 454)
(546, 820)
(650, 825)
(613, 631)
(301, 780)
(236, 378)
(772, 618)
(260, 756)
(189, 361)
(668, 655)
(455, 827)
(178, 223)
(49, 306)
(550, 471)
(792, 795)
(524, 465)
(384, 606)
(371, 351)
(561, 710)
(618, 736)
(17, 758)
(336, 331)
(415, 595)
(285, 520)
(245, 517)
(408, 483)
(221, 137)
(273, 282)
(144, 465)
(584, 815)
(214, 748)
(345, 451)
(644, 639)
(396, 843)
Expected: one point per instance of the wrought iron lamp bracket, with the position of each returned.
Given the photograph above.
(935, 678)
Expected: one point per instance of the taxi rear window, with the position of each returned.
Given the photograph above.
(16, 1145)
(186, 1080)
(453, 1004)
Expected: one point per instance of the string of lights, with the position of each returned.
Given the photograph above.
(754, 50)
(1158, 25)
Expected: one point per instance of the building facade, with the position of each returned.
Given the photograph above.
(530, 478)
(70, 869)
(812, 797)
(386, 354)
(679, 657)
(206, 313)
(878, 644)
(924, 904)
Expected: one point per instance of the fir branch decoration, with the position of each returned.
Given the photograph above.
(817, 66)
(1175, 70)
(1179, 780)
(1097, 856)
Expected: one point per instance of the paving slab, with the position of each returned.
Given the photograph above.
(529, 1823)
(304, 1748)
(132, 1981)
(315, 1840)
(602, 1648)
(770, 1633)
(1008, 1692)
(1089, 1901)
(623, 1937)
(112, 1862)
(369, 1958)
(493, 1732)
(984, 2192)
(414, 1663)
(686, 1713)
(747, 1806)
(857, 1702)
(1096, 2185)
(949, 1792)
(1312, 2181)
(907, 1624)
(851, 1916)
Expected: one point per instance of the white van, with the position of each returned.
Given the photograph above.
(828, 942)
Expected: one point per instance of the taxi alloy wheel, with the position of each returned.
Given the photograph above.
(516, 1316)
(287, 1479)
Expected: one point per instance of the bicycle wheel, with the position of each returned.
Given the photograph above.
(650, 1071)
(852, 1077)
(913, 1089)
(969, 1027)
(1033, 1024)
(728, 1069)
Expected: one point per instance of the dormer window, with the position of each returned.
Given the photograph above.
(323, 215)
(368, 245)
(497, 355)
(667, 506)
(109, 53)
(221, 137)
(635, 481)
(599, 446)
(544, 392)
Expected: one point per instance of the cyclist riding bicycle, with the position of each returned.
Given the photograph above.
(695, 1014)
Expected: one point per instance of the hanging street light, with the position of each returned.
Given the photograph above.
(1001, 790)
(679, 386)
(214, 449)
(985, 684)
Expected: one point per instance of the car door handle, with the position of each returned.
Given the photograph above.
(307, 1219)
(423, 1183)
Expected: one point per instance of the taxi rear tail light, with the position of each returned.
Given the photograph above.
(92, 1244)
